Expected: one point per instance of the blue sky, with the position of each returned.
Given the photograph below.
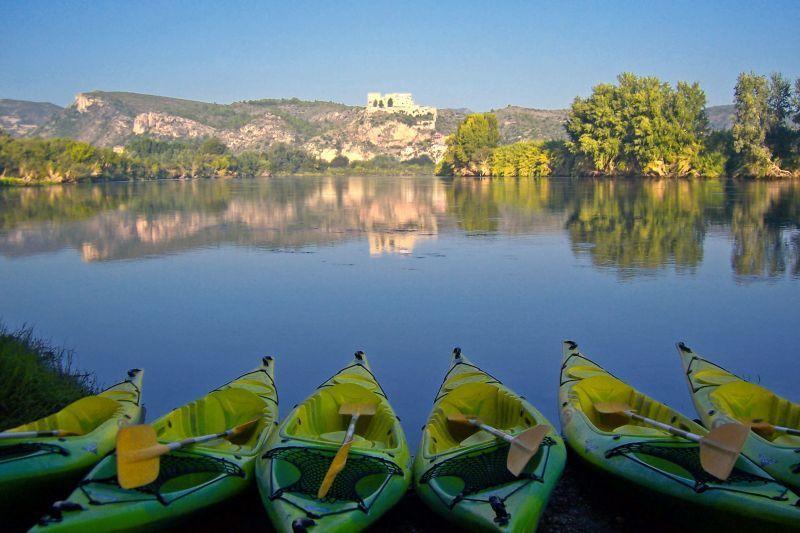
(479, 55)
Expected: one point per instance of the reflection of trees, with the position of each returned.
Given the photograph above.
(765, 221)
(634, 224)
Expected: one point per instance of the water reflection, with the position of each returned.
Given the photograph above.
(634, 227)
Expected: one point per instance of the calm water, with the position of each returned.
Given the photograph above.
(194, 281)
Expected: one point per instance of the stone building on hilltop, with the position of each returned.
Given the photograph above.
(397, 103)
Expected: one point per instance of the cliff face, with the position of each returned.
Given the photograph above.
(326, 129)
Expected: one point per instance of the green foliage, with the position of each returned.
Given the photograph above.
(339, 161)
(469, 149)
(36, 379)
(753, 120)
(640, 126)
(213, 146)
(523, 159)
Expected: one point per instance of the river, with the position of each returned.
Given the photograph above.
(195, 280)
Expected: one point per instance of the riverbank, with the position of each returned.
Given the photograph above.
(36, 379)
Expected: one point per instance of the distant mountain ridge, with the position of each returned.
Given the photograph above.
(325, 129)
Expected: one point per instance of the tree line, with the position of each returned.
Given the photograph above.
(37, 160)
(642, 126)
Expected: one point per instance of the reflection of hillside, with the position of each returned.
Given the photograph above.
(117, 222)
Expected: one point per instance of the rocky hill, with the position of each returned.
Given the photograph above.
(720, 117)
(19, 117)
(326, 129)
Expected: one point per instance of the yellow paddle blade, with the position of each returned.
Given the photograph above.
(337, 465)
(360, 409)
(133, 470)
(720, 449)
(241, 433)
(764, 428)
(524, 447)
(612, 408)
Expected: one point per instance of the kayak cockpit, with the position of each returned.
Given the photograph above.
(748, 402)
(78, 418)
(217, 412)
(318, 418)
(493, 405)
(603, 387)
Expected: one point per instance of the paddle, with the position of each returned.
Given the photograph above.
(355, 411)
(138, 451)
(523, 446)
(719, 450)
(764, 427)
(35, 434)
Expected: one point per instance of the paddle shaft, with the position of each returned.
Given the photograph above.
(162, 449)
(32, 434)
(788, 431)
(666, 427)
(494, 431)
(351, 428)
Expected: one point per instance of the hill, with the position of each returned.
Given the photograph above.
(20, 117)
(325, 129)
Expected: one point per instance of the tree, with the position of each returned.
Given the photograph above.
(213, 146)
(340, 161)
(779, 104)
(751, 100)
(641, 125)
(469, 149)
(523, 159)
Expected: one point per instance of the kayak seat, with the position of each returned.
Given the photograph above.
(714, 377)
(606, 388)
(492, 405)
(80, 417)
(584, 371)
(640, 431)
(318, 418)
(745, 401)
(214, 413)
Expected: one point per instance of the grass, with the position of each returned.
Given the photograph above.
(36, 379)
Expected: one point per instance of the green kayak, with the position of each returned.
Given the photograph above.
(653, 458)
(36, 471)
(464, 477)
(189, 479)
(721, 397)
(377, 472)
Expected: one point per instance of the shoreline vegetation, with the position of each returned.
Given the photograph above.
(638, 127)
(644, 127)
(36, 379)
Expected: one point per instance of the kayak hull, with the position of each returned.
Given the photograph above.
(190, 479)
(466, 481)
(35, 471)
(712, 387)
(655, 459)
(377, 473)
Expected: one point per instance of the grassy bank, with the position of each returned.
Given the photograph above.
(36, 379)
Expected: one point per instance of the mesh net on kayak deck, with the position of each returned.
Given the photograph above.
(197, 472)
(484, 470)
(687, 457)
(25, 450)
(312, 465)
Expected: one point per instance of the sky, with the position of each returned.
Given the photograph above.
(479, 55)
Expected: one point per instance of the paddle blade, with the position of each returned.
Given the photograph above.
(762, 428)
(360, 409)
(239, 434)
(337, 465)
(133, 470)
(720, 449)
(524, 447)
(612, 408)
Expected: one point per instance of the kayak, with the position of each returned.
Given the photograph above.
(36, 470)
(377, 472)
(721, 397)
(189, 479)
(653, 458)
(463, 476)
